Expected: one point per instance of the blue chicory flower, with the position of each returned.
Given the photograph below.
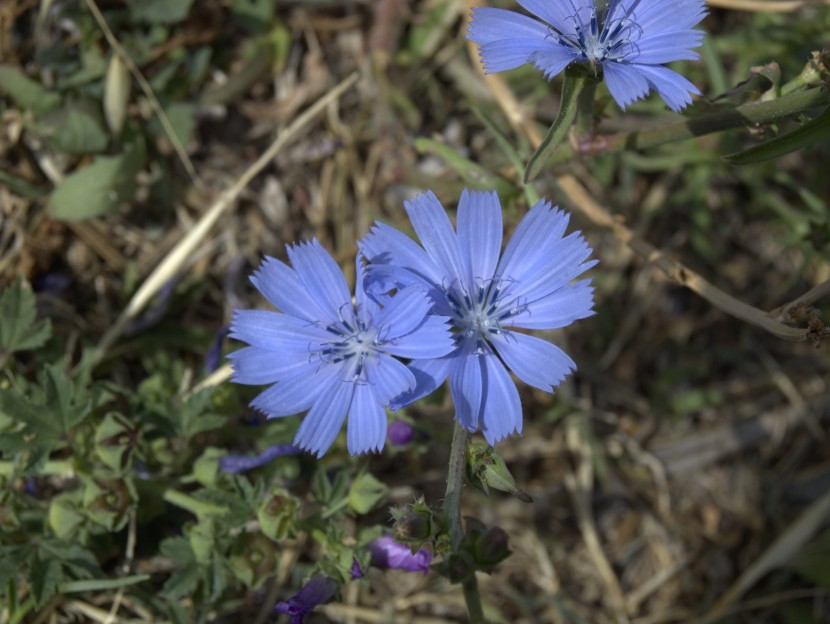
(324, 354)
(234, 464)
(629, 40)
(387, 553)
(317, 591)
(485, 292)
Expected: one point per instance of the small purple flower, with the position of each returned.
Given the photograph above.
(629, 41)
(356, 572)
(387, 553)
(400, 433)
(329, 355)
(234, 464)
(317, 591)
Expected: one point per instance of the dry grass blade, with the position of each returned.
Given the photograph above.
(177, 256)
(782, 550)
(146, 88)
(580, 484)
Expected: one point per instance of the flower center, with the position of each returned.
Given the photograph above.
(596, 44)
(355, 342)
(479, 315)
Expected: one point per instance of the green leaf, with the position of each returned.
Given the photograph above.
(77, 128)
(77, 560)
(486, 469)
(182, 118)
(98, 188)
(44, 577)
(196, 414)
(15, 559)
(253, 15)
(28, 93)
(159, 11)
(185, 579)
(62, 407)
(810, 133)
(55, 410)
(365, 493)
(19, 331)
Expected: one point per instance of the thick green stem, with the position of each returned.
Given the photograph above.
(739, 117)
(452, 513)
(574, 83)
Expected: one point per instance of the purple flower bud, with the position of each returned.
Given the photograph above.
(356, 571)
(318, 590)
(400, 433)
(387, 553)
(235, 464)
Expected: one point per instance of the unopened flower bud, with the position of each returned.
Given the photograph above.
(491, 548)
(413, 526)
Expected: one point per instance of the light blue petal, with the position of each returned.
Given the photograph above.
(367, 308)
(275, 331)
(655, 17)
(625, 82)
(435, 231)
(403, 312)
(321, 425)
(558, 309)
(488, 25)
(479, 235)
(255, 366)
(506, 39)
(544, 272)
(429, 375)
(432, 339)
(538, 229)
(560, 13)
(671, 86)
(366, 431)
(665, 48)
(389, 377)
(322, 277)
(502, 407)
(296, 393)
(384, 245)
(554, 59)
(282, 287)
(466, 387)
(536, 362)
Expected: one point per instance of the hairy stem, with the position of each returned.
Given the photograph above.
(452, 512)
